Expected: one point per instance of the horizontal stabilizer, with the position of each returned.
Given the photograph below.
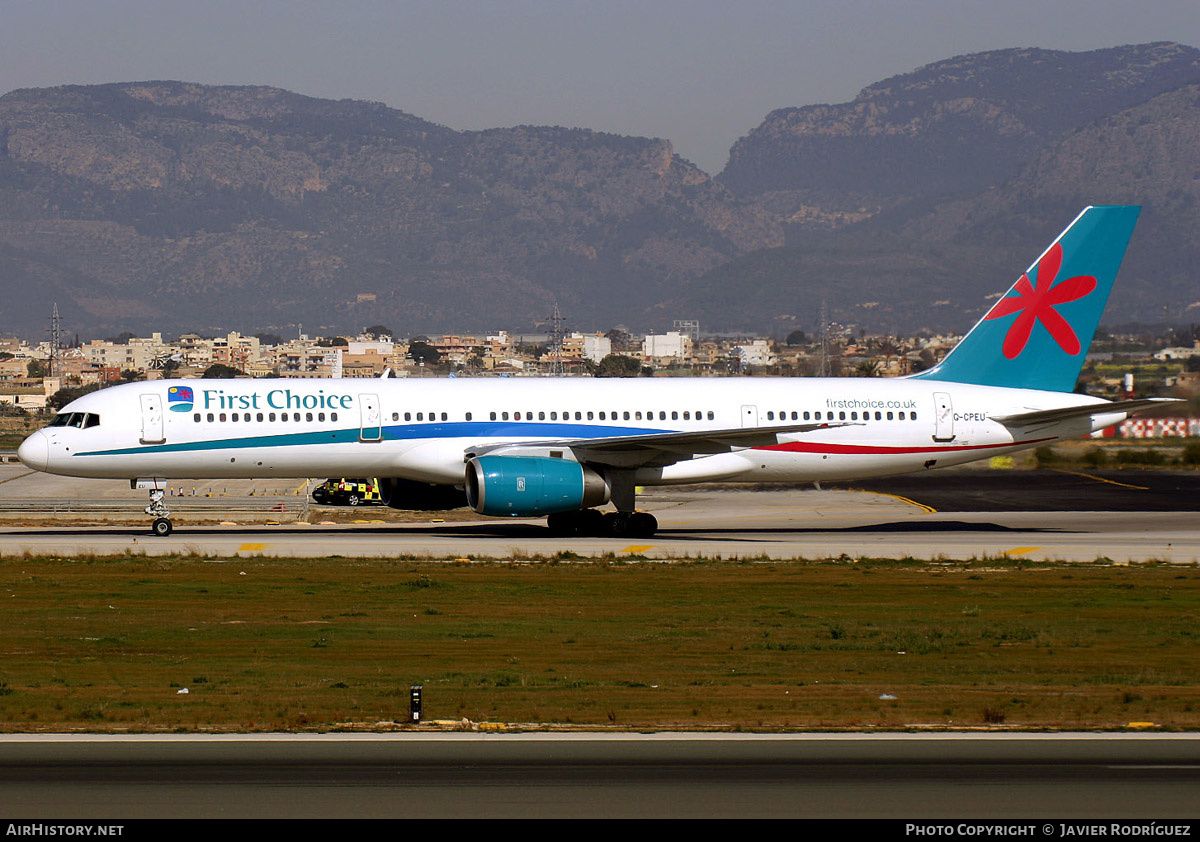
(1050, 416)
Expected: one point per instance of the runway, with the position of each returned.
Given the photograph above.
(1122, 517)
(666, 775)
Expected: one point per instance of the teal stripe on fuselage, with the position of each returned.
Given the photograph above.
(442, 430)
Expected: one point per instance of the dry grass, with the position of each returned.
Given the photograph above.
(266, 644)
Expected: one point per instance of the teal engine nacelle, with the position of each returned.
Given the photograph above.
(530, 486)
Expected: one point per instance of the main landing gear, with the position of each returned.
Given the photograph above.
(158, 510)
(625, 522)
(592, 524)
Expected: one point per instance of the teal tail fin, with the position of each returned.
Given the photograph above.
(1037, 336)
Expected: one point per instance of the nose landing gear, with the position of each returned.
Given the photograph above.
(158, 510)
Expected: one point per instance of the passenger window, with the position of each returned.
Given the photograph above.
(687, 415)
(853, 416)
(626, 415)
(196, 417)
(638, 415)
(578, 415)
(674, 415)
(878, 416)
(589, 415)
(210, 418)
(553, 416)
(333, 416)
(901, 416)
(889, 416)
(321, 416)
(806, 415)
(662, 415)
(234, 417)
(444, 416)
(492, 416)
(260, 416)
(468, 416)
(710, 415)
(420, 416)
(308, 416)
(770, 415)
(504, 415)
(541, 416)
(912, 416)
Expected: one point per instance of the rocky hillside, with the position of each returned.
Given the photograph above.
(934, 263)
(951, 128)
(184, 206)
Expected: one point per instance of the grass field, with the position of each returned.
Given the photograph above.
(268, 644)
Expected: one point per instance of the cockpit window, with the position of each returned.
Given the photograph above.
(76, 419)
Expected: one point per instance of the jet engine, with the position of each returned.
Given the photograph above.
(530, 486)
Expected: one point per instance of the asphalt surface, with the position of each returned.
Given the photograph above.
(1117, 516)
(906, 776)
(1046, 490)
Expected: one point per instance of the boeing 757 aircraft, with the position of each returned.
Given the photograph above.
(529, 447)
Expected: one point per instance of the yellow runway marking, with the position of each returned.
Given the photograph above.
(1102, 479)
(1021, 550)
(929, 510)
(252, 548)
(638, 548)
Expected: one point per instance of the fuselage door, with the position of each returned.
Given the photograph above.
(152, 420)
(943, 415)
(749, 416)
(370, 418)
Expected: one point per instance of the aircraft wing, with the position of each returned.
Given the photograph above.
(658, 449)
(1050, 416)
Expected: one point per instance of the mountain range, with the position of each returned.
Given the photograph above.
(178, 206)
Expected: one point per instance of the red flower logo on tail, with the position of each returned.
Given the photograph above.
(1036, 304)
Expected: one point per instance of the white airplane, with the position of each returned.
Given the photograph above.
(521, 447)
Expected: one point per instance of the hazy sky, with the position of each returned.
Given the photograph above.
(700, 73)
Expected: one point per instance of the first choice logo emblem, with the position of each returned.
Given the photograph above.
(180, 398)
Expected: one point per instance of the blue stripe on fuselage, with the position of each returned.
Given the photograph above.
(440, 430)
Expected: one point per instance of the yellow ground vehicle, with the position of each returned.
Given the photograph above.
(347, 492)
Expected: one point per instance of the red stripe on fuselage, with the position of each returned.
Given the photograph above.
(876, 450)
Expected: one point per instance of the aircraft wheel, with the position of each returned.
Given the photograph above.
(643, 525)
(617, 525)
(590, 523)
(161, 527)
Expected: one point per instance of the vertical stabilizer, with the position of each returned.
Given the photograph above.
(1037, 336)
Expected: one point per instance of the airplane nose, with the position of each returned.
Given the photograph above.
(34, 452)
